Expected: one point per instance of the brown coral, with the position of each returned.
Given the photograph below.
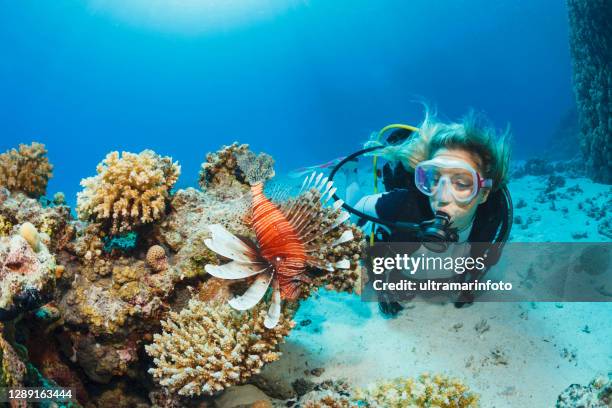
(129, 190)
(209, 346)
(220, 173)
(26, 169)
(157, 258)
(54, 221)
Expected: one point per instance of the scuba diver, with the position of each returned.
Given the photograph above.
(447, 185)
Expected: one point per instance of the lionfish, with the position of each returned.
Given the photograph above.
(286, 236)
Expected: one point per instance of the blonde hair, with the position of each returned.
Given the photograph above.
(473, 134)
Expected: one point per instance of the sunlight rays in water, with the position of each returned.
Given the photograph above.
(193, 17)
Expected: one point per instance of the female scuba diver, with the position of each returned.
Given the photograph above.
(448, 185)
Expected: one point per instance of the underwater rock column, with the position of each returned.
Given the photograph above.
(591, 49)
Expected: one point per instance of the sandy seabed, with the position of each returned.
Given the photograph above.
(513, 354)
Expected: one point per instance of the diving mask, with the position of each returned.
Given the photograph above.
(454, 176)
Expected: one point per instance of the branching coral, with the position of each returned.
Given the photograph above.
(424, 391)
(128, 191)
(209, 346)
(26, 169)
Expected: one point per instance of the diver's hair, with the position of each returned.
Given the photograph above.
(255, 168)
(473, 134)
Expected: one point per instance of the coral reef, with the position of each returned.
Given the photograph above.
(597, 394)
(12, 369)
(327, 394)
(114, 275)
(220, 173)
(591, 50)
(424, 391)
(27, 274)
(208, 347)
(534, 167)
(129, 190)
(243, 396)
(51, 222)
(26, 169)
(255, 168)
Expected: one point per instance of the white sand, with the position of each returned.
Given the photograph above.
(351, 339)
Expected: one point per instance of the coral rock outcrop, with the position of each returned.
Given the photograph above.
(25, 275)
(591, 49)
(220, 173)
(597, 394)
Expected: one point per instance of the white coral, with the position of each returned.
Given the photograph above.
(209, 346)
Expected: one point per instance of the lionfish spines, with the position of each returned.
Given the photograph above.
(289, 236)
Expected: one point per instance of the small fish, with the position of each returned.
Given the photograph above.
(285, 245)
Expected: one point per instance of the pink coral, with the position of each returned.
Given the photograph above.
(20, 259)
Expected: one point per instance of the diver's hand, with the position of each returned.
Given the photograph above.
(387, 306)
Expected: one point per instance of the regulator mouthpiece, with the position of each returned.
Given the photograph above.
(438, 234)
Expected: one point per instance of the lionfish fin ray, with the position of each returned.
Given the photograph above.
(274, 311)
(254, 293)
(235, 270)
(228, 245)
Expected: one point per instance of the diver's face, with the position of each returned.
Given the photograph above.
(461, 214)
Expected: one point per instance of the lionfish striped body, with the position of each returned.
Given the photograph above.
(285, 247)
(279, 243)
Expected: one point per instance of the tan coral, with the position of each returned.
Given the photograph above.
(128, 191)
(26, 169)
(30, 234)
(424, 391)
(220, 174)
(5, 226)
(157, 258)
(54, 221)
(209, 346)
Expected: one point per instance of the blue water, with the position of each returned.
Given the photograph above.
(306, 82)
